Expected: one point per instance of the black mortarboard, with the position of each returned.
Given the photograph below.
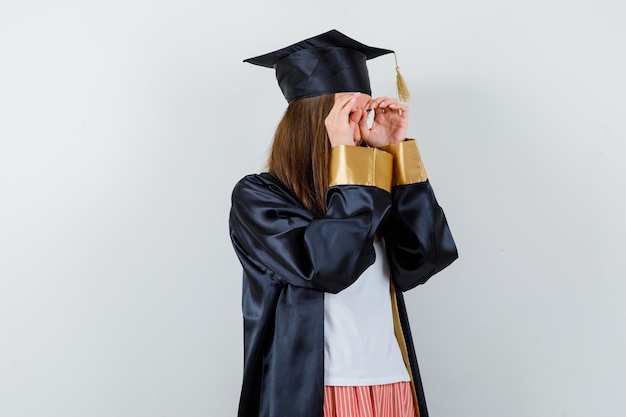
(324, 64)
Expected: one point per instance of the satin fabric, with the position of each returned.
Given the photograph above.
(318, 71)
(327, 63)
(290, 259)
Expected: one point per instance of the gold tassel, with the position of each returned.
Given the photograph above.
(403, 90)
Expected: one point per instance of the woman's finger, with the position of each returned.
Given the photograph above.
(341, 124)
(363, 127)
(346, 104)
(378, 102)
(401, 109)
(388, 103)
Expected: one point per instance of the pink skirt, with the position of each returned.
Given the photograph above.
(389, 400)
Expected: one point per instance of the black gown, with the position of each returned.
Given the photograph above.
(290, 258)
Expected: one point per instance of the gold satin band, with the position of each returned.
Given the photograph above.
(360, 166)
(397, 328)
(408, 167)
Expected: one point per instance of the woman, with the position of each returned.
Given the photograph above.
(329, 239)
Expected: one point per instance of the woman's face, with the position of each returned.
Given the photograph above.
(361, 100)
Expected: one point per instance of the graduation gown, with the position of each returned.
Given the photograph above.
(290, 259)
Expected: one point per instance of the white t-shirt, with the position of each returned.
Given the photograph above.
(360, 347)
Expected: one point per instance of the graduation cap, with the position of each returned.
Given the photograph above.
(324, 64)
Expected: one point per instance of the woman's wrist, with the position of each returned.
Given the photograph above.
(393, 141)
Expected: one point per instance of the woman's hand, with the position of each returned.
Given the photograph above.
(391, 120)
(343, 121)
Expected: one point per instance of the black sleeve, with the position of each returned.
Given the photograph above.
(418, 239)
(279, 236)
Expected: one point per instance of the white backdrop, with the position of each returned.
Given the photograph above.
(125, 124)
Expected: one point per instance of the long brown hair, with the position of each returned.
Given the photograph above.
(300, 153)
